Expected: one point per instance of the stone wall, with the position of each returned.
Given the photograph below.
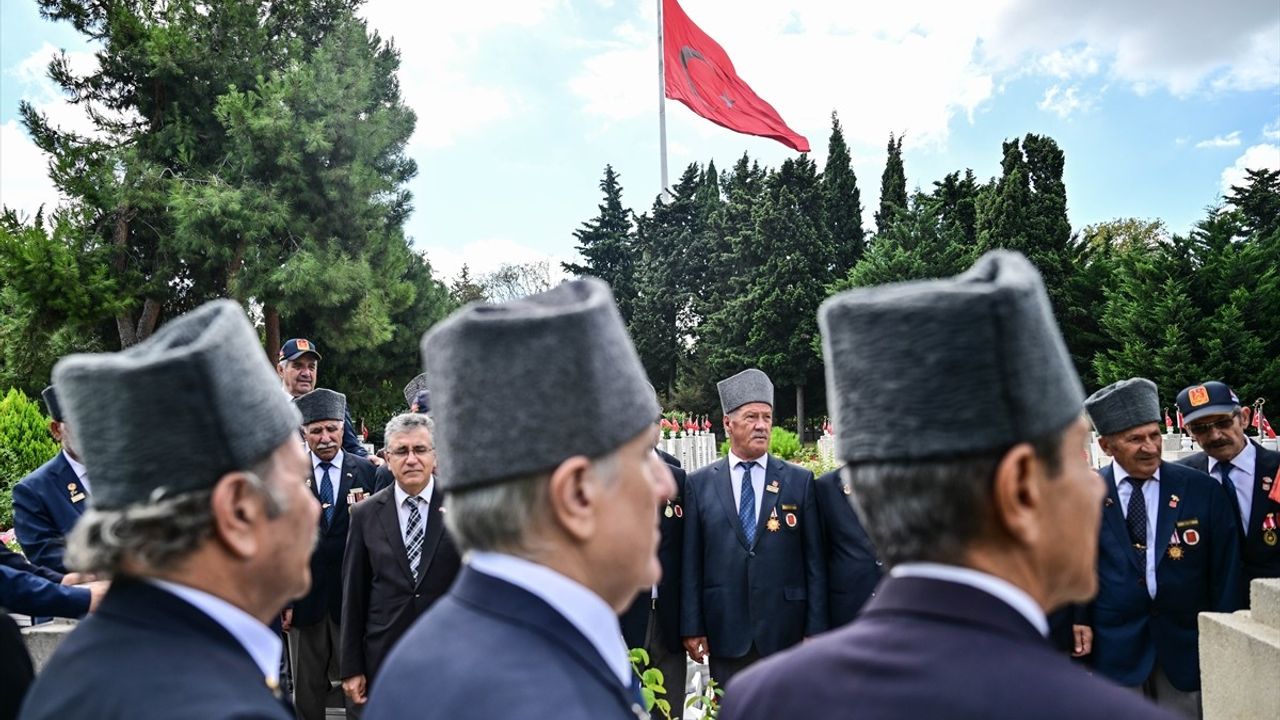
(1240, 658)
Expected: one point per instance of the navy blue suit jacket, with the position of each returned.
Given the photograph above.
(33, 590)
(929, 649)
(635, 621)
(15, 668)
(852, 567)
(380, 600)
(149, 654)
(1130, 629)
(772, 594)
(325, 596)
(491, 650)
(1260, 559)
(43, 512)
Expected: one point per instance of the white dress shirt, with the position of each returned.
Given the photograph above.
(757, 479)
(80, 470)
(585, 610)
(1151, 498)
(1242, 466)
(335, 473)
(1003, 590)
(259, 641)
(402, 511)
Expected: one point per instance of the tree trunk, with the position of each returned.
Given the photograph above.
(120, 239)
(271, 316)
(800, 412)
(233, 270)
(147, 321)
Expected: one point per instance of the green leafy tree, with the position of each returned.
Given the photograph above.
(465, 289)
(607, 246)
(25, 444)
(842, 202)
(893, 186)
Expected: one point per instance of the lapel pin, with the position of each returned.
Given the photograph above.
(1173, 501)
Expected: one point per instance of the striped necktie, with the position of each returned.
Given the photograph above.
(414, 533)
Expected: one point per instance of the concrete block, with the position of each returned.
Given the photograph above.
(1264, 598)
(1240, 658)
(44, 638)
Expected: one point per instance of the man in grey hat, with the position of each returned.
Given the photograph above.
(1170, 550)
(754, 567)
(201, 559)
(545, 433)
(988, 520)
(48, 502)
(337, 480)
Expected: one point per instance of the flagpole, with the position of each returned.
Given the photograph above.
(662, 106)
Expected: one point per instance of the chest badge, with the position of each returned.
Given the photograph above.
(773, 525)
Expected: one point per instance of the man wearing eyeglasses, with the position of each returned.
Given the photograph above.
(399, 559)
(1216, 421)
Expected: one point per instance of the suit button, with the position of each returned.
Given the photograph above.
(417, 595)
(879, 564)
(751, 554)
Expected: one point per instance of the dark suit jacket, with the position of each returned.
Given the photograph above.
(382, 478)
(1130, 629)
(33, 590)
(635, 621)
(15, 668)
(43, 513)
(929, 649)
(350, 441)
(379, 598)
(490, 649)
(325, 596)
(772, 594)
(149, 654)
(852, 568)
(1260, 559)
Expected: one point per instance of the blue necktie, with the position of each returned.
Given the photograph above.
(747, 505)
(1224, 472)
(326, 494)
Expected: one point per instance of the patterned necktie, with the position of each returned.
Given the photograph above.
(1224, 472)
(326, 493)
(1136, 518)
(747, 504)
(414, 533)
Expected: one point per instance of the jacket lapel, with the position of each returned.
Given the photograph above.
(435, 528)
(389, 519)
(724, 491)
(67, 477)
(1113, 516)
(1262, 469)
(1170, 484)
(768, 500)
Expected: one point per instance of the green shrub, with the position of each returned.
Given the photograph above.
(783, 444)
(25, 445)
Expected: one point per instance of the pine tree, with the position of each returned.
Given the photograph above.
(893, 187)
(607, 246)
(842, 202)
(465, 289)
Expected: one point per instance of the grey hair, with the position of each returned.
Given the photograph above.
(407, 422)
(157, 534)
(931, 511)
(504, 516)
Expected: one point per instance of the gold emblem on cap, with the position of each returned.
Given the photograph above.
(1198, 395)
(304, 345)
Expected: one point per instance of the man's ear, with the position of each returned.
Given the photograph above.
(238, 509)
(1104, 443)
(55, 430)
(573, 495)
(1017, 493)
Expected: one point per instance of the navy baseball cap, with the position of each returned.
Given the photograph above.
(296, 348)
(1211, 398)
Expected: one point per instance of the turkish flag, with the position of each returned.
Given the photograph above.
(700, 74)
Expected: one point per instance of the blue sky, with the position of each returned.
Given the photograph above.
(521, 103)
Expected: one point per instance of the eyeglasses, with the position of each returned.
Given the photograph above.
(419, 450)
(1202, 428)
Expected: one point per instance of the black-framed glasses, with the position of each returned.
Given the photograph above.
(418, 450)
(1204, 427)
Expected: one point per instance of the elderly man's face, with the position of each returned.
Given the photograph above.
(1136, 449)
(1073, 514)
(324, 438)
(290, 536)
(748, 429)
(300, 374)
(412, 458)
(1221, 436)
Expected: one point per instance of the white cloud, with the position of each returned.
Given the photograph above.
(1272, 130)
(1258, 157)
(1065, 103)
(484, 256)
(1069, 63)
(1231, 139)
(24, 179)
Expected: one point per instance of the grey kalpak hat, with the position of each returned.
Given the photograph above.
(519, 387)
(947, 368)
(748, 386)
(176, 412)
(51, 403)
(321, 404)
(1123, 405)
(415, 386)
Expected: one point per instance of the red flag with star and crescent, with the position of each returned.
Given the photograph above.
(700, 74)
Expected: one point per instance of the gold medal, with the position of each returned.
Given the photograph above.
(1269, 537)
(669, 512)
(1175, 552)
(773, 525)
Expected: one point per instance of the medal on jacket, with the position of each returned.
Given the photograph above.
(76, 495)
(773, 525)
(1173, 501)
(1269, 530)
(669, 511)
(1175, 547)
(355, 496)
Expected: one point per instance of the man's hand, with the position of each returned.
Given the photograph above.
(377, 461)
(97, 590)
(286, 619)
(1084, 640)
(697, 648)
(75, 578)
(354, 687)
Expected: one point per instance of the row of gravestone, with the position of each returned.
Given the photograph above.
(693, 450)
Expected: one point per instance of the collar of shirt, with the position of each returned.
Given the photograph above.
(1122, 474)
(1244, 461)
(259, 641)
(583, 609)
(760, 462)
(402, 512)
(78, 468)
(1003, 590)
(336, 462)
